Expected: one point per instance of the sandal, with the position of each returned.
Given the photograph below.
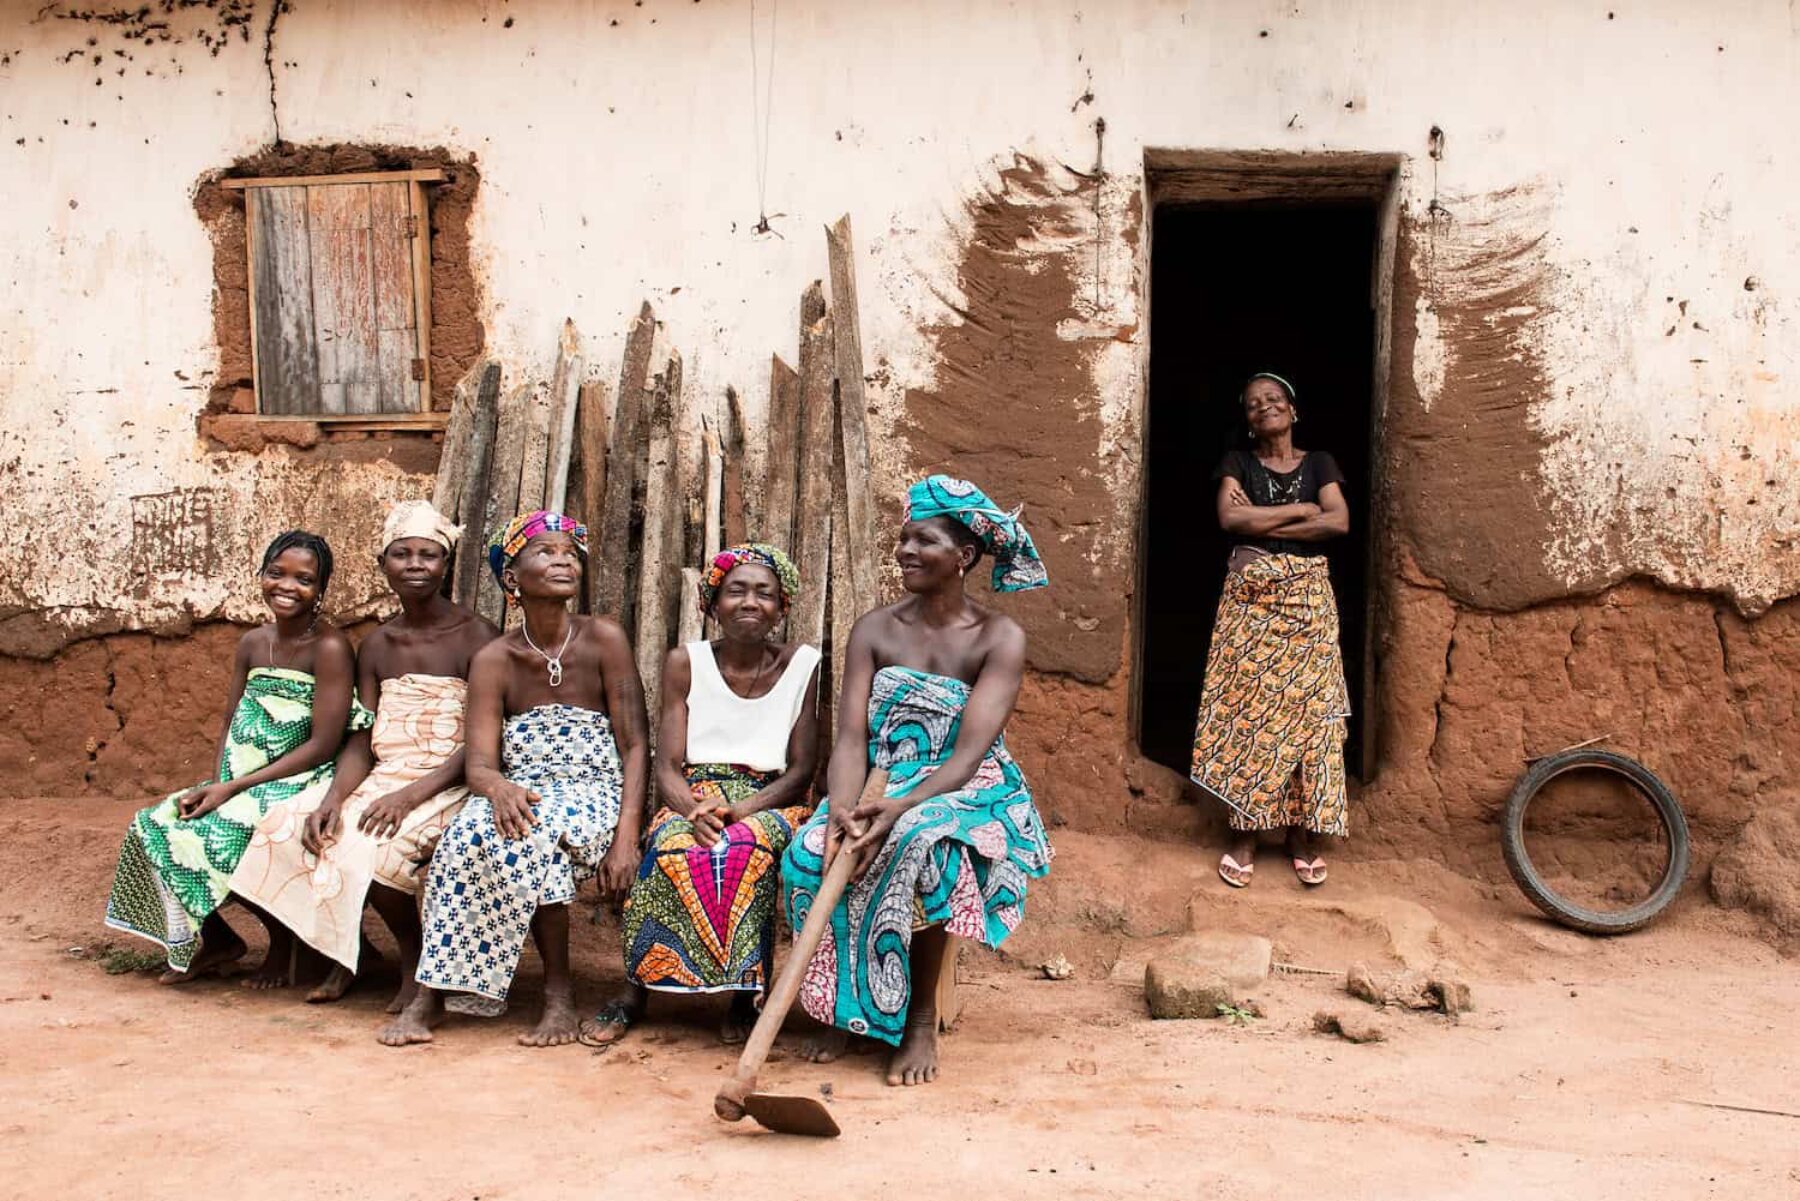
(1311, 871)
(613, 1013)
(1227, 863)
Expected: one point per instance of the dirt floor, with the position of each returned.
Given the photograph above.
(1584, 1070)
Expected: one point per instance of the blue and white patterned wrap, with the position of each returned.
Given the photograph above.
(482, 889)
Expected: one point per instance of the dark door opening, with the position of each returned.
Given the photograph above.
(1236, 289)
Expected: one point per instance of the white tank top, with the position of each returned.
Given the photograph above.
(723, 727)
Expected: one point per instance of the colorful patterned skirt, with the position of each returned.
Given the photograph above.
(482, 890)
(961, 860)
(702, 919)
(418, 725)
(1270, 736)
(173, 873)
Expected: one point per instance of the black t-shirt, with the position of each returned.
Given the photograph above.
(1265, 487)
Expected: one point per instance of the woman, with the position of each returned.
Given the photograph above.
(1270, 735)
(928, 685)
(314, 861)
(557, 764)
(290, 706)
(735, 758)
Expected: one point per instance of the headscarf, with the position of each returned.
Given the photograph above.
(760, 553)
(512, 537)
(1017, 566)
(418, 519)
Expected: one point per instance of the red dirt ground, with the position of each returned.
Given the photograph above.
(1577, 1075)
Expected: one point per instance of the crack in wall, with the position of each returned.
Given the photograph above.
(276, 8)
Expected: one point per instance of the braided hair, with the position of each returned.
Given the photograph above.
(307, 541)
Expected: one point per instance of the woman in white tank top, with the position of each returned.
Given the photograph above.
(737, 748)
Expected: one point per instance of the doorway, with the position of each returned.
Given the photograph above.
(1293, 284)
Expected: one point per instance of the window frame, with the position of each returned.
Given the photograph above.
(423, 418)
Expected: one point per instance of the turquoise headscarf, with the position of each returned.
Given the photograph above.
(1017, 566)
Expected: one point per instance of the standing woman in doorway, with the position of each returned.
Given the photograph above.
(1270, 737)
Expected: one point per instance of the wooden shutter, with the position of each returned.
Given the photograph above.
(340, 295)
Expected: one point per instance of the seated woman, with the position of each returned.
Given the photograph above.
(734, 763)
(556, 765)
(314, 860)
(290, 704)
(928, 685)
(1269, 739)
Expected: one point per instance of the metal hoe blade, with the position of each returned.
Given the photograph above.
(791, 1115)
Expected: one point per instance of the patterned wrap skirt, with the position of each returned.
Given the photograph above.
(702, 920)
(961, 860)
(1270, 737)
(418, 726)
(172, 872)
(482, 889)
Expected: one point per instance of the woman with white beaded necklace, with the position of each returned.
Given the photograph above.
(558, 762)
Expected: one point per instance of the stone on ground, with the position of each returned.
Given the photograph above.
(1201, 972)
(1441, 989)
(1351, 1027)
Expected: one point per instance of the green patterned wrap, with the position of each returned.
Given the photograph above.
(173, 873)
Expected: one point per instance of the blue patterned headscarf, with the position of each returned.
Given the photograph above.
(1017, 566)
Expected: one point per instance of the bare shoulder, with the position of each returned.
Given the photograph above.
(606, 630)
(333, 641)
(492, 655)
(250, 639)
(999, 631)
(474, 629)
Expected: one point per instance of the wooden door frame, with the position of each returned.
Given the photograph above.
(1225, 177)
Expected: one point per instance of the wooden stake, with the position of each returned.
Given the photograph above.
(853, 409)
(846, 604)
(453, 467)
(503, 488)
(655, 568)
(735, 504)
(690, 478)
(715, 491)
(565, 386)
(610, 588)
(692, 625)
(475, 508)
(587, 468)
(536, 449)
(812, 508)
(781, 462)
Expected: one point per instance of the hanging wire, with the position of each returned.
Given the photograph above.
(760, 108)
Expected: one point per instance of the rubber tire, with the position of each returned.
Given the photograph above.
(1577, 917)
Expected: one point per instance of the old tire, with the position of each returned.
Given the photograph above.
(1579, 917)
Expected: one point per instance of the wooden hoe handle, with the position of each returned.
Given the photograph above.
(787, 984)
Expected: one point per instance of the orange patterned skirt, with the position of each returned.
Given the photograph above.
(1270, 737)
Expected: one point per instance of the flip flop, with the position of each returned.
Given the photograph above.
(1312, 871)
(613, 1013)
(1226, 861)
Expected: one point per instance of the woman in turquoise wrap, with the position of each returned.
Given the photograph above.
(928, 685)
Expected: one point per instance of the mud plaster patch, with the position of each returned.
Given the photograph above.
(1015, 406)
(1464, 452)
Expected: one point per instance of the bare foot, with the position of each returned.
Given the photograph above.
(277, 968)
(738, 1019)
(915, 1060)
(216, 955)
(425, 1010)
(826, 1047)
(558, 1025)
(409, 988)
(334, 986)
